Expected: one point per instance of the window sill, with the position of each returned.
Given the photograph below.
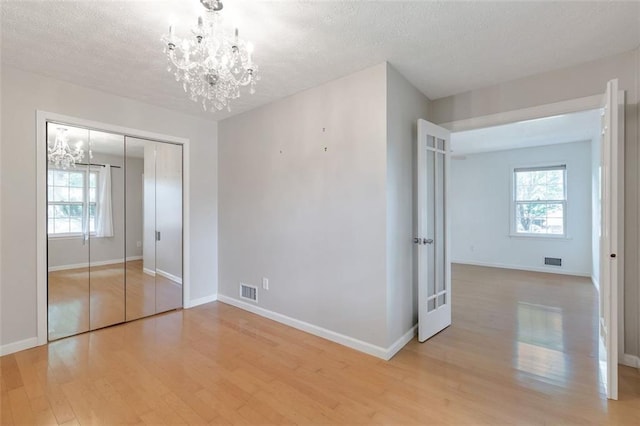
(540, 237)
(68, 236)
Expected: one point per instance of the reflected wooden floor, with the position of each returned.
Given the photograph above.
(522, 349)
(81, 299)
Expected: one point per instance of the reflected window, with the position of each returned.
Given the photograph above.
(71, 202)
(540, 344)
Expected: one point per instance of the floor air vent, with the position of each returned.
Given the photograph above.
(249, 292)
(553, 261)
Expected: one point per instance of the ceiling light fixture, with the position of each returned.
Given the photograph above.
(60, 154)
(212, 65)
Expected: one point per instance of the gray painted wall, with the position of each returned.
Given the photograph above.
(405, 105)
(22, 94)
(302, 202)
(571, 83)
(168, 209)
(149, 207)
(133, 215)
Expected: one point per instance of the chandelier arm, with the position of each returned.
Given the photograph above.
(60, 154)
(213, 64)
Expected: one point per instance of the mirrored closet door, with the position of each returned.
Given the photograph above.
(114, 229)
(154, 280)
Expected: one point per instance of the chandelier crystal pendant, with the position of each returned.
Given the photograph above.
(212, 64)
(60, 154)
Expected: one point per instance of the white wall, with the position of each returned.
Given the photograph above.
(571, 83)
(22, 94)
(405, 105)
(480, 200)
(302, 202)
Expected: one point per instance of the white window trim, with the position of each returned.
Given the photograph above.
(512, 202)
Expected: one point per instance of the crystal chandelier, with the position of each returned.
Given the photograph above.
(211, 64)
(60, 154)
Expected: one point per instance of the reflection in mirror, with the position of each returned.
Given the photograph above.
(106, 229)
(68, 217)
(114, 226)
(168, 227)
(140, 201)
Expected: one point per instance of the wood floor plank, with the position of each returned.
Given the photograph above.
(21, 407)
(6, 413)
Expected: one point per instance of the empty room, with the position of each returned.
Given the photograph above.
(319, 212)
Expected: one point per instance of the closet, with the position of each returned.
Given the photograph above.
(114, 228)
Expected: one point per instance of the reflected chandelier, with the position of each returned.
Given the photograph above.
(60, 154)
(212, 65)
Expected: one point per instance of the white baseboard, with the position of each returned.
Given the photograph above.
(630, 361)
(175, 279)
(359, 345)
(21, 345)
(402, 341)
(149, 271)
(548, 270)
(95, 263)
(201, 301)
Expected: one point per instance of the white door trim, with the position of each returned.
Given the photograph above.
(558, 108)
(531, 113)
(41, 205)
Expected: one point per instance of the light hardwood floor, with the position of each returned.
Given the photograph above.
(84, 299)
(522, 349)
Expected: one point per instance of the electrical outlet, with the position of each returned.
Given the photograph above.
(265, 283)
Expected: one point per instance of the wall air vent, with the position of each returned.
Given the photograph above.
(553, 261)
(248, 292)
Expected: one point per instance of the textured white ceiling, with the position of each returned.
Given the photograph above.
(566, 128)
(442, 47)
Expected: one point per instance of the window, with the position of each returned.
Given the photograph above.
(71, 196)
(539, 201)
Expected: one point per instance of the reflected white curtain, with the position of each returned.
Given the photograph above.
(104, 214)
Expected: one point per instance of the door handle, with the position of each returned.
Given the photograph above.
(157, 235)
(417, 240)
(427, 241)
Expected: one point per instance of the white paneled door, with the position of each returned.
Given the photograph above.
(432, 235)
(610, 169)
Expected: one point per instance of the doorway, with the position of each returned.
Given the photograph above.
(548, 215)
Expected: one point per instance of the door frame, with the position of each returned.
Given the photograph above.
(42, 117)
(559, 108)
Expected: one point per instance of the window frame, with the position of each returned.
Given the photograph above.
(85, 203)
(513, 202)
